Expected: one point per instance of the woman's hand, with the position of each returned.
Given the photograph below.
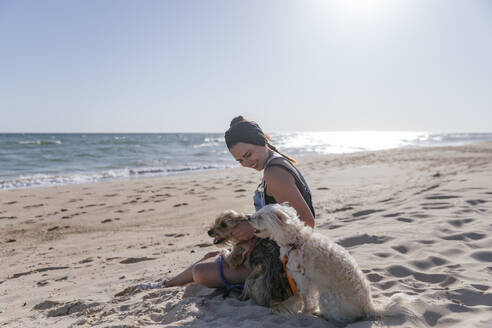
(244, 231)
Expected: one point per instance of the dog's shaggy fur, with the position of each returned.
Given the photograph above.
(266, 284)
(327, 276)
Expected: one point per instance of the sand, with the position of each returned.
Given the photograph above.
(417, 221)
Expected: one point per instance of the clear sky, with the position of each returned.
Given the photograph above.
(190, 66)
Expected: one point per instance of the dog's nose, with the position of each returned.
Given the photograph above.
(210, 233)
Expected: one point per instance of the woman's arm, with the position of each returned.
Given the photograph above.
(282, 186)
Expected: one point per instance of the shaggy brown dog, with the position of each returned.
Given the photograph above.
(266, 284)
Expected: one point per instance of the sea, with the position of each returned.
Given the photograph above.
(50, 159)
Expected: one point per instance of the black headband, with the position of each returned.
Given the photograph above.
(247, 132)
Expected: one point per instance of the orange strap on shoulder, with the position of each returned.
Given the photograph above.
(291, 281)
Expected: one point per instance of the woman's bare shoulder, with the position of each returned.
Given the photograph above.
(278, 174)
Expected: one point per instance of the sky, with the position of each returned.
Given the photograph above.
(191, 66)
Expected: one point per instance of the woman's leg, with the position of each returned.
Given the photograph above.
(186, 276)
(206, 272)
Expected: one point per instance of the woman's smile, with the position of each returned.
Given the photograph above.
(252, 156)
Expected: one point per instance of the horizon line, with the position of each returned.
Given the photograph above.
(210, 132)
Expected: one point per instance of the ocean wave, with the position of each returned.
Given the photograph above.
(40, 142)
(208, 144)
(46, 180)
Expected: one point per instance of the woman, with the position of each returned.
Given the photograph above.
(282, 182)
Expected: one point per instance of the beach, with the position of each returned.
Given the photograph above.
(417, 221)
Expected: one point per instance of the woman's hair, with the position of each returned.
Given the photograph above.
(242, 130)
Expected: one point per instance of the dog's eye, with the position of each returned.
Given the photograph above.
(223, 225)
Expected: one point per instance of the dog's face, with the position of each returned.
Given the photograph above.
(273, 221)
(223, 227)
(262, 226)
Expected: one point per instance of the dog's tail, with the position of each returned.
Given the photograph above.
(398, 304)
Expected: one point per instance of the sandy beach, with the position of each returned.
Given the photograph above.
(416, 220)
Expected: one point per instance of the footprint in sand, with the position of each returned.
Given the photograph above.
(465, 236)
(34, 206)
(8, 217)
(383, 254)
(438, 196)
(476, 201)
(87, 260)
(426, 242)
(392, 215)
(430, 262)
(401, 249)
(362, 239)
(365, 212)
(175, 235)
(180, 204)
(459, 223)
(482, 256)
(431, 317)
(17, 275)
(470, 297)
(132, 260)
(341, 209)
(374, 277)
(436, 206)
(387, 284)
(401, 271)
(406, 220)
(329, 225)
(10, 203)
(71, 216)
(201, 245)
(419, 215)
(147, 210)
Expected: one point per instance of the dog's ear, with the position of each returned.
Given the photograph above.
(283, 212)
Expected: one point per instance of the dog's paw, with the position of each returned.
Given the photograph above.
(290, 306)
(243, 297)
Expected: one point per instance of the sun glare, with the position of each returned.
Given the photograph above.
(362, 8)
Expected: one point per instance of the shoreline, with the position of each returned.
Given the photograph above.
(44, 180)
(415, 219)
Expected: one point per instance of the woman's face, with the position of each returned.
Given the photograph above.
(249, 155)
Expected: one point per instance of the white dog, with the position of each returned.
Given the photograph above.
(327, 276)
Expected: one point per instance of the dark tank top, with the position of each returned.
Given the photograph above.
(299, 179)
